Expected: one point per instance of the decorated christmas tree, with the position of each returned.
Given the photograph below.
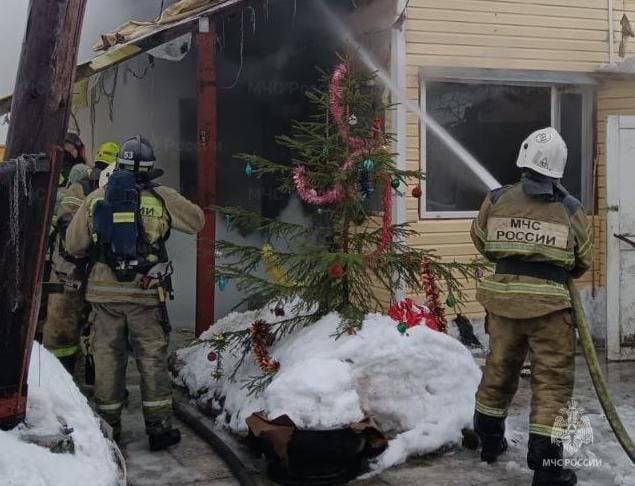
(345, 253)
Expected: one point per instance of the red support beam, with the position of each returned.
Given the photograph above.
(206, 191)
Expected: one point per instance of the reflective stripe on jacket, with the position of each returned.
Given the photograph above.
(103, 287)
(514, 225)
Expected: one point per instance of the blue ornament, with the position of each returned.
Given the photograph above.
(369, 165)
(222, 283)
(249, 170)
(228, 222)
(366, 188)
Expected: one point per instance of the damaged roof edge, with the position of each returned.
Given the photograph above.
(144, 43)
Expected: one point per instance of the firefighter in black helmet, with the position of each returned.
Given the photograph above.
(127, 290)
(136, 155)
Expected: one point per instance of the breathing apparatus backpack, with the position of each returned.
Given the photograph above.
(118, 228)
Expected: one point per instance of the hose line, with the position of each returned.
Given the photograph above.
(596, 375)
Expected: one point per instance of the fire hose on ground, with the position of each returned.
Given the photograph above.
(596, 375)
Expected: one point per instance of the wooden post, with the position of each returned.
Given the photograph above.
(206, 191)
(39, 118)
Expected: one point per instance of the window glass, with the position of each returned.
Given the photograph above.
(490, 121)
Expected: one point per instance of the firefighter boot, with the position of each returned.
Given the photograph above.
(162, 440)
(491, 432)
(69, 363)
(545, 459)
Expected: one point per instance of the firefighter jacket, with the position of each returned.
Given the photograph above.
(71, 198)
(537, 243)
(159, 215)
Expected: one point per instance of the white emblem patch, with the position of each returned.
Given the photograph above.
(525, 230)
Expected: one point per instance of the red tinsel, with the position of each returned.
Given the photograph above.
(260, 337)
(386, 234)
(433, 299)
(412, 314)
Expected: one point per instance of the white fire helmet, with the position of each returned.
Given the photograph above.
(105, 174)
(545, 152)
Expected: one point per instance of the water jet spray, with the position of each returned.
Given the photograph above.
(468, 159)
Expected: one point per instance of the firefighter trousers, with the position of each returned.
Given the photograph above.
(60, 334)
(115, 328)
(551, 340)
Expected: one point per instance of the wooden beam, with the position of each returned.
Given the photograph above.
(206, 191)
(144, 43)
(40, 112)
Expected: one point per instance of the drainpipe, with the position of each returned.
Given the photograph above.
(399, 116)
(611, 33)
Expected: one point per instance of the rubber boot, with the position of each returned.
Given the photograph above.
(69, 362)
(163, 440)
(545, 459)
(491, 433)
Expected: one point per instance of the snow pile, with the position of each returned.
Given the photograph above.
(418, 387)
(55, 401)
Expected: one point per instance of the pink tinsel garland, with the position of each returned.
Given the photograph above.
(358, 145)
(336, 105)
(310, 195)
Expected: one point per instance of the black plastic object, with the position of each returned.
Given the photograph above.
(318, 457)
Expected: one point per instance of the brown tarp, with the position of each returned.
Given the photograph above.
(134, 29)
(279, 431)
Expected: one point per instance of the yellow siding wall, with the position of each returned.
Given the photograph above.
(558, 35)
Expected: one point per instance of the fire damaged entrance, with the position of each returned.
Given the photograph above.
(266, 62)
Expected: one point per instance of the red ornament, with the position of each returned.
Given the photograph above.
(212, 356)
(417, 192)
(336, 270)
(351, 332)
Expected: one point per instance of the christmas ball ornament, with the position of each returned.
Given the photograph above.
(352, 120)
(450, 301)
(351, 332)
(416, 192)
(377, 124)
(336, 270)
(222, 283)
(402, 328)
(279, 311)
(212, 356)
(479, 274)
(395, 182)
(369, 165)
(249, 170)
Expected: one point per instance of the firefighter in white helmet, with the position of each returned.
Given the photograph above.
(539, 237)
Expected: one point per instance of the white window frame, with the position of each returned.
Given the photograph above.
(556, 80)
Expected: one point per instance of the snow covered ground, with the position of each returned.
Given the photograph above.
(418, 387)
(54, 402)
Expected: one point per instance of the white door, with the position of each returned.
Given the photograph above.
(620, 234)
